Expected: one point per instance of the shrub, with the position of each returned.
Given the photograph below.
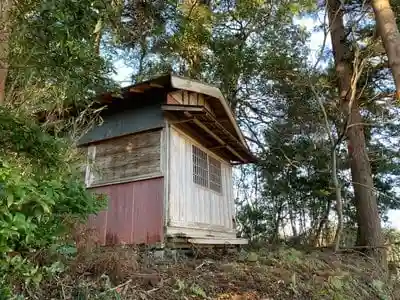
(41, 195)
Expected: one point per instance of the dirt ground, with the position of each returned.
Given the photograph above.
(246, 275)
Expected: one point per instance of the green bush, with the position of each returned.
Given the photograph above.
(41, 195)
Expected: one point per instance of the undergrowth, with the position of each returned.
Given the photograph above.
(284, 273)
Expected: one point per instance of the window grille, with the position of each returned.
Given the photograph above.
(200, 167)
(215, 174)
(206, 170)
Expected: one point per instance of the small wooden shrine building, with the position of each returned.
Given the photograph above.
(164, 156)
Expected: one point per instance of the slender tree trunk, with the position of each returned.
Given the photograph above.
(327, 235)
(275, 234)
(389, 32)
(143, 53)
(339, 203)
(98, 32)
(322, 224)
(303, 226)
(97, 41)
(365, 197)
(5, 7)
(292, 221)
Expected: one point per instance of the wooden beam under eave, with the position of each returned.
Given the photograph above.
(217, 138)
(235, 153)
(237, 164)
(152, 84)
(183, 108)
(217, 147)
(188, 115)
(217, 123)
(136, 90)
(206, 129)
(181, 121)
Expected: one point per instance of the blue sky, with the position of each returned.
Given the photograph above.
(124, 73)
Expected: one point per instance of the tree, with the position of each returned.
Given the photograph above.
(52, 69)
(5, 10)
(389, 32)
(53, 59)
(370, 232)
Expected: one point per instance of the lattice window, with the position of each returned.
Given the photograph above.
(206, 170)
(200, 167)
(215, 174)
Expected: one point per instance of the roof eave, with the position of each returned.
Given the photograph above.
(209, 90)
(196, 115)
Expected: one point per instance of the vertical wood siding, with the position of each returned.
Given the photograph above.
(188, 98)
(191, 205)
(172, 100)
(134, 215)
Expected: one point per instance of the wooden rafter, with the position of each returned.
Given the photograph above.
(203, 119)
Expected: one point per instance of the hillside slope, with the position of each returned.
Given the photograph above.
(278, 274)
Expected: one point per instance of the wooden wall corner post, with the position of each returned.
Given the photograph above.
(165, 168)
(168, 178)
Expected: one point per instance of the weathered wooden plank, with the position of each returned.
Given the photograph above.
(128, 143)
(127, 157)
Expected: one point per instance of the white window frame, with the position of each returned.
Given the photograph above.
(206, 177)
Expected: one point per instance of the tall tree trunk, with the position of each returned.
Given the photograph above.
(5, 7)
(365, 198)
(389, 32)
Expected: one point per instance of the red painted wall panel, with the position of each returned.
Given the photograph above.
(134, 215)
(147, 212)
(99, 223)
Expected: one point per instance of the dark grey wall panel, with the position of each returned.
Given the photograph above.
(126, 118)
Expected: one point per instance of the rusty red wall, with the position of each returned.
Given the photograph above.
(134, 215)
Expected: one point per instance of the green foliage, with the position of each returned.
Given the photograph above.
(54, 66)
(41, 195)
(198, 291)
(54, 73)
